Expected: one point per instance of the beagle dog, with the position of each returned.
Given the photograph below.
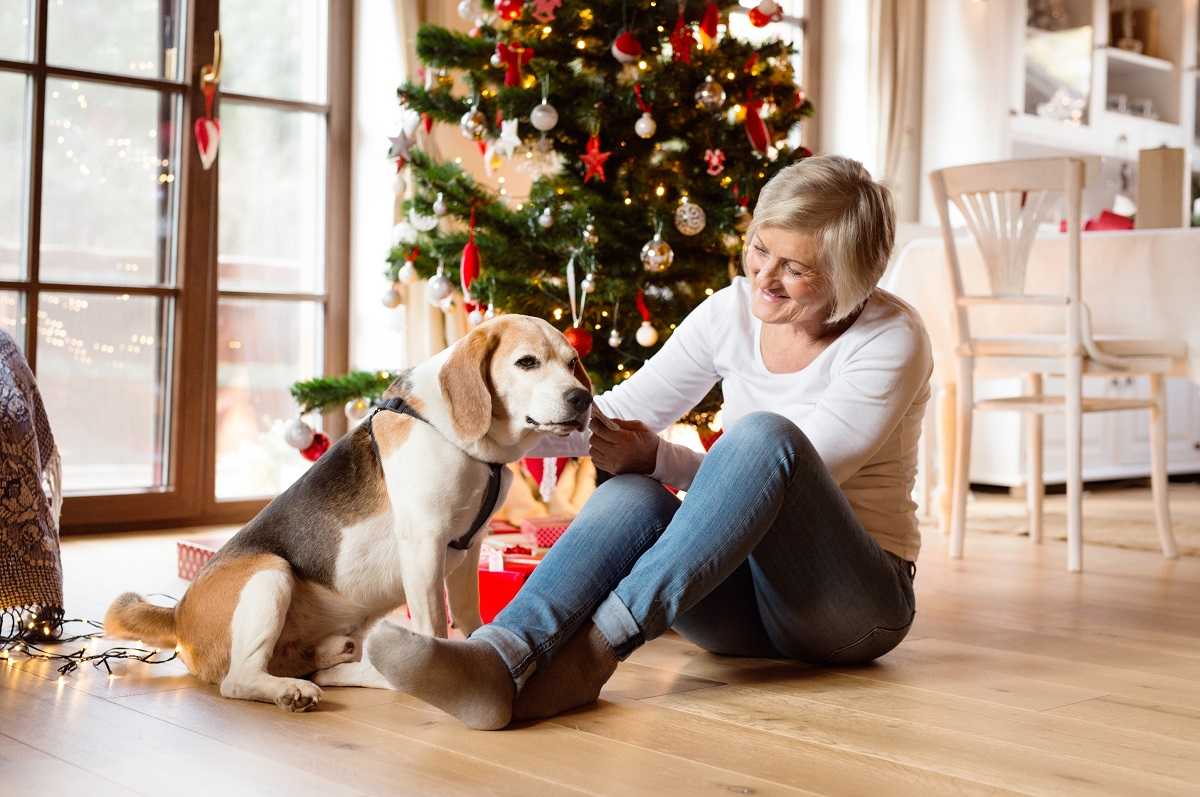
(390, 515)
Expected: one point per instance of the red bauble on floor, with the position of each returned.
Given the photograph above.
(580, 339)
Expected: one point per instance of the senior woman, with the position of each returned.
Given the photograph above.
(798, 535)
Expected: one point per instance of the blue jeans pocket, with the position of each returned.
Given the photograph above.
(869, 646)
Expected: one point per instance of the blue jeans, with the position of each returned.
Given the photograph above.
(764, 558)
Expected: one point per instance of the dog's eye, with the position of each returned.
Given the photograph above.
(571, 365)
(527, 363)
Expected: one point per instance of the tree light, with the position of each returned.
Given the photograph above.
(660, 190)
(580, 44)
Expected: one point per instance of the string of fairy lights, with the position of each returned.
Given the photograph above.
(39, 635)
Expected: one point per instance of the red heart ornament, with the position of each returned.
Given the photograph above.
(208, 139)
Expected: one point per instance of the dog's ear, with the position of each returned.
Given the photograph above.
(464, 382)
(581, 374)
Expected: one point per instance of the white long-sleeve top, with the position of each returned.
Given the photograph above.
(860, 402)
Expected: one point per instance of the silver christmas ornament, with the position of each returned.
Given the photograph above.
(496, 60)
(544, 117)
(391, 298)
(298, 434)
(546, 218)
(588, 284)
(647, 335)
(408, 273)
(589, 235)
(711, 95)
(357, 409)
(615, 339)
(439, 288)
(468, 10)
(657, 254)
(473, 124)
(689, 218)
(439, 205)
(475, 318)
(645, 126)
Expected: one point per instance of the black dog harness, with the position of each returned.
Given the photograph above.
(490, 496)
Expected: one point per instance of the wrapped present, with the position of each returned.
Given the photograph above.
(194, 554)
(502, 573)
(546, 530)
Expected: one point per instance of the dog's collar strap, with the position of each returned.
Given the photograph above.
(491, 495)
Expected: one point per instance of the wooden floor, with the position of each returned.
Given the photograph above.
(1017, 678)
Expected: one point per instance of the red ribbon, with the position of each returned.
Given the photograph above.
(515, 55)
(413, 254)
(637, 90)
(640, 301)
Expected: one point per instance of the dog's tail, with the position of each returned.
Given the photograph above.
(133, 617)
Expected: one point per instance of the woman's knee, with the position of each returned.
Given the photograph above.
(630, 492)
(768, 432)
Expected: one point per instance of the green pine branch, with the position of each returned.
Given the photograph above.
(332, 392)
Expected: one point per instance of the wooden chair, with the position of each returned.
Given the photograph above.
(1003, 204)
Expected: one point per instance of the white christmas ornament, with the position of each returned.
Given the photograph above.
(645, 126)
(399, 184)
(544, 117)
(408, 273)
(509, 139)
(588, 285)
(647, 335)
(420, 222)
(615, 339)
(468, 10)
(491, 313)
(439, 288)
(439, 205)
(689, 218)
(546, 218)
(403, 233)
(475, 318)
(298, 434)
(356, 409)
(391, 298)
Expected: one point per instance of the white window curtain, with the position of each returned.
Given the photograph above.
(895, 77)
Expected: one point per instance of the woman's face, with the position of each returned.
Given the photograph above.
(788, 287)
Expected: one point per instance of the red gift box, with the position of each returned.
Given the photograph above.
(194, 554)
(546, 530)
(501, 576)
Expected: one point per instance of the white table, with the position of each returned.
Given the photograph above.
(1141, 283)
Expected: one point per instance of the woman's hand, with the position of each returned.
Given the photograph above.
(629, 448)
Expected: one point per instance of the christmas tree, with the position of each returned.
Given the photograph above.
(649, 130)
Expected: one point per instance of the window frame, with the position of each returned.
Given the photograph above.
(190, 370)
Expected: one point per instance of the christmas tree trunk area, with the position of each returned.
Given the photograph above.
(648, 130)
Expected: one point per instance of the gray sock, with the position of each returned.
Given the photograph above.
(465, 678)
(573, 678)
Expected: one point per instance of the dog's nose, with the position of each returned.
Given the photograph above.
(578, 398)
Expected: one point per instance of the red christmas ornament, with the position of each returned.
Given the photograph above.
(469, 266)
(580, 339)
(515, 56)
(764, 13)
(715, 158)
(594, 159)
(510, 9)
(756, 129)
(681, 39)
(626, 48)
(317, 447)
(427, 120)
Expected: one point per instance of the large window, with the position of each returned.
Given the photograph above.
(165, 308)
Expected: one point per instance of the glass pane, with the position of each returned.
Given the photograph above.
(14, 149)
(101, 370)
(109, 188)
(12, 317)
(272, 199)
(275, 48)
(262, 348)
(139, 38)
(16, 29)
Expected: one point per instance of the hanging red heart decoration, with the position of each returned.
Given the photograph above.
(208, 128)
(580, 339)
(469, 267)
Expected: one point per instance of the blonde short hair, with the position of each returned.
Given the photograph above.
(850, 214)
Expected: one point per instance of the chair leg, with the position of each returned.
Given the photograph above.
(1073, 390)
(1035, 489)
(965, 407)
(1158, 466)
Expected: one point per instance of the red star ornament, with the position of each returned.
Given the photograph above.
(594, 159)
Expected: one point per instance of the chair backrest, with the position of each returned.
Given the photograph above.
(1003, 204)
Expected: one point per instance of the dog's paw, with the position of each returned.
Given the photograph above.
(296, 694)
